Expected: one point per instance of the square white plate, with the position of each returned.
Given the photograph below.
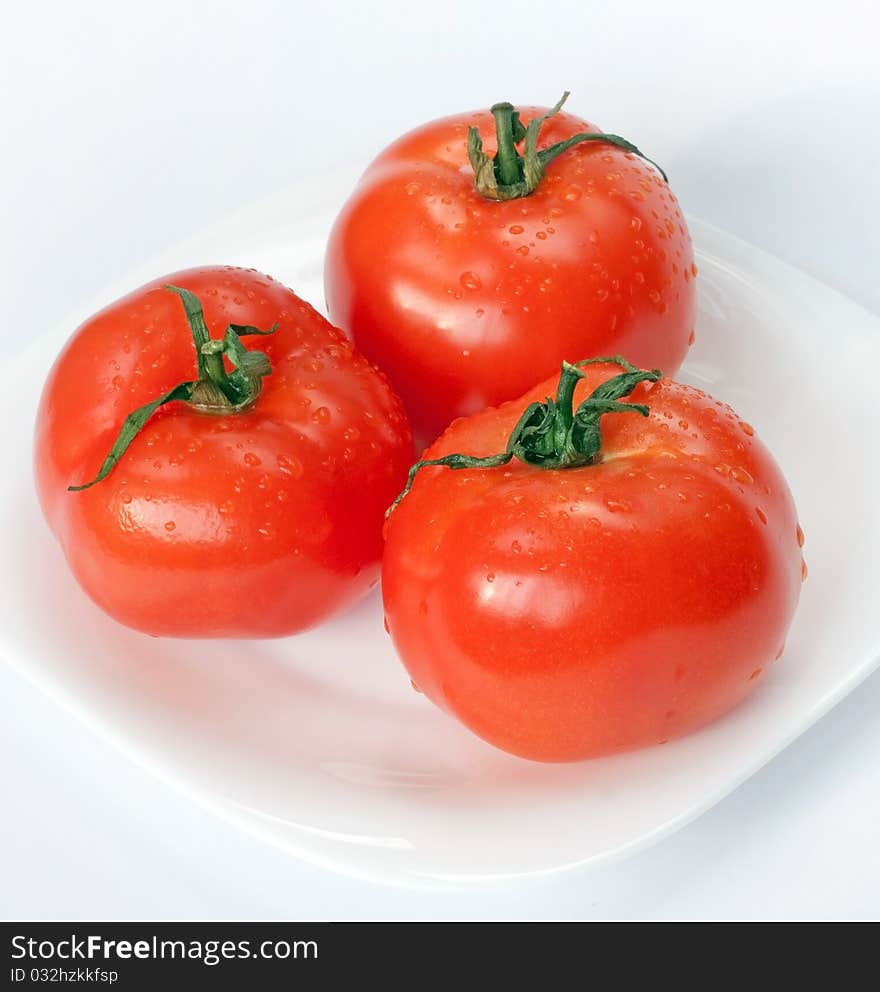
(318, 744)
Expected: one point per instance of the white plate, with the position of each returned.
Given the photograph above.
(319, 745)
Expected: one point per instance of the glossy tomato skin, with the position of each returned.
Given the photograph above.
(257, 524)
(566, 614)
(466, 302)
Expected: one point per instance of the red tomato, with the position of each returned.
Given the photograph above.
(466, 301)
(256, 523)
(562, 613)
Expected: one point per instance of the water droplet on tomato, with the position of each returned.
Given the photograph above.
(618, 505)
(762, 516)
(321, 415)
(800, 536)
(741, 475)
(170, 525)
(470, 280)
(572, 192)
(290, 465)
(490, 577)
(804, 571)
(251, 459)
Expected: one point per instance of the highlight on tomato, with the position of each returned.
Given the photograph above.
(200, 486)
(601, 571)
(474, 237)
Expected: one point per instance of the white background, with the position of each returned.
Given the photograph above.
(127, 127)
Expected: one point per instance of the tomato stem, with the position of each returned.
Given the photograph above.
(214, 391)
(511, 174)
(552, 434)
(507, 159)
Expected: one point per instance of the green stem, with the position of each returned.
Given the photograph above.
(453, 462)
(209, 362)
(195, 317)
(507, 159)
(130, 428)
(216, 372)
(554, 151)
(570, 376)
(215, 390)
(511, 174)
(552, 434)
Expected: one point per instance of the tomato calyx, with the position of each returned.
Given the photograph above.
(552, 434)
(215, 391)
(511, 174)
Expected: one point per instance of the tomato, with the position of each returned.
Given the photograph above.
(467, 300)
(256, 514)
(565, 600)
